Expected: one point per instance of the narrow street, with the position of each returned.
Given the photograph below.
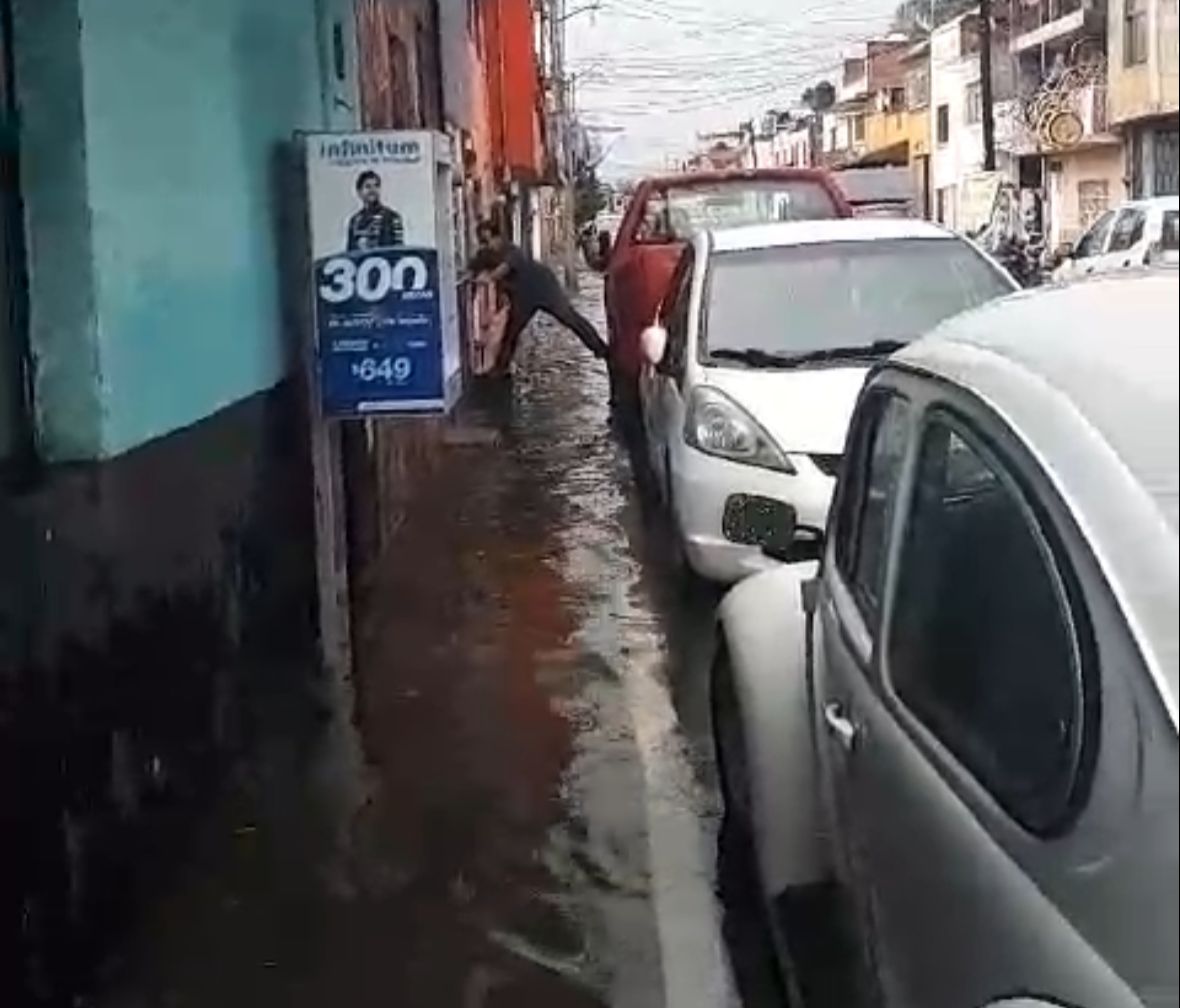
(538, 811)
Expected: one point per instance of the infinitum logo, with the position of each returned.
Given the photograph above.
(350, 150)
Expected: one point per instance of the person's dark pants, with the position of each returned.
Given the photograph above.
(557, 306)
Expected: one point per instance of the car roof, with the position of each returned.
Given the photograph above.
(1086, 375)
(814, 232)
(1153, 203)
(706, 176)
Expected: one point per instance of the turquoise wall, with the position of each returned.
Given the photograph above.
(151, 196)
(185, 103)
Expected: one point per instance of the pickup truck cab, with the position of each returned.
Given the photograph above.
(664, 213)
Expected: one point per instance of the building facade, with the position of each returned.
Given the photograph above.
(157, 582)
(1144, 73)
(956, 117)
(155, 518)
(1060, 131)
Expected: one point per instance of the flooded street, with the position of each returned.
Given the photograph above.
(534, 815)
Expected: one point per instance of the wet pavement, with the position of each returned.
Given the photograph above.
(524, 810)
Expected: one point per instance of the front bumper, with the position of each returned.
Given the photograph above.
(701, 486)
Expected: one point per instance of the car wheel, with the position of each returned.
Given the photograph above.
(805, 931)
(760, 970)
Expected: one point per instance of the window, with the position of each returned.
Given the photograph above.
(973, 112)
(821, 296)
(982, 648)
(858, 128)
(1094, 241)
(680, 211)
(1165, 162)
(676, 311)
(895, 100)
(1170, 231)
(1134, 32)
(866, 499)
(942, 124)
(1127, 230)
(918, 89)
(1093, 199)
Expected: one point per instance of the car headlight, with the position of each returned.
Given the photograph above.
(716, 425)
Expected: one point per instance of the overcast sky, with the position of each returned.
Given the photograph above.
(664, 70)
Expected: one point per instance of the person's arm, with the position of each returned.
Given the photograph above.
(350, 242)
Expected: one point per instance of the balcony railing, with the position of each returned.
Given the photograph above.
(1054, 119)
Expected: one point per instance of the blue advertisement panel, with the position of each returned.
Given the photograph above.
(379, 332)
(383, 272)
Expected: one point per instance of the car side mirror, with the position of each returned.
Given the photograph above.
(654, 340)
(1065, 251)
(772, 526)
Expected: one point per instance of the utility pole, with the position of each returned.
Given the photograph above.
(564, 100)
(985, 85)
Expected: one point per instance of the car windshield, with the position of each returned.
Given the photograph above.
(676, 214)
(803, 298)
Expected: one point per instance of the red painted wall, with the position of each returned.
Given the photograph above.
(513, 89)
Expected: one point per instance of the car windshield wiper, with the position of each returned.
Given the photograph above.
(754, 357)
(766, 359)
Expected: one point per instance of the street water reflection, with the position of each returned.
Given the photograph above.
(541, 813)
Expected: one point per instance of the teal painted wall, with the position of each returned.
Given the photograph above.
(150, 147)
(62, 320)
(185, 104)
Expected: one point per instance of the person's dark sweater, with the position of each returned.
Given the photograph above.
(526, 280)
(375, 228)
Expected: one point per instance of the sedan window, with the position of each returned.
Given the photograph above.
(871, 473)
(982, 646)
(798, 298)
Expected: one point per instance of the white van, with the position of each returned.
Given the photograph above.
(1137, 233)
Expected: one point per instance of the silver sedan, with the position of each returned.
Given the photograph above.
(951, 749)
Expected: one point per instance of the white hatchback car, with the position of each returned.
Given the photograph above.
(1139, 233)
(757, 358)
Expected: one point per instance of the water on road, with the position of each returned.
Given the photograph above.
(537, 813)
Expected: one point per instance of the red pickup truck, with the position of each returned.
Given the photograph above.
(665, 212)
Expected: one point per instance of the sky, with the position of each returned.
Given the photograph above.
(662, 71)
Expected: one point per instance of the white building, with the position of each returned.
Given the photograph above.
(956, 113)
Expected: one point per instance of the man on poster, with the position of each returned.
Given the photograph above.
(374, 225)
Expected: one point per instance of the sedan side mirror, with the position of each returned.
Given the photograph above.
(1064, 251)
(654, 340)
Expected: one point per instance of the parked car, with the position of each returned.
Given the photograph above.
(757, 357)
(1138, 233)
(879, 192)
(958, 739)
(665, 213)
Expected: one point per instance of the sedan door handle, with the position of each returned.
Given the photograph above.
(839, 725)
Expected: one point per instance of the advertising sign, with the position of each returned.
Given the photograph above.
(976, 200)
(383, 272)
